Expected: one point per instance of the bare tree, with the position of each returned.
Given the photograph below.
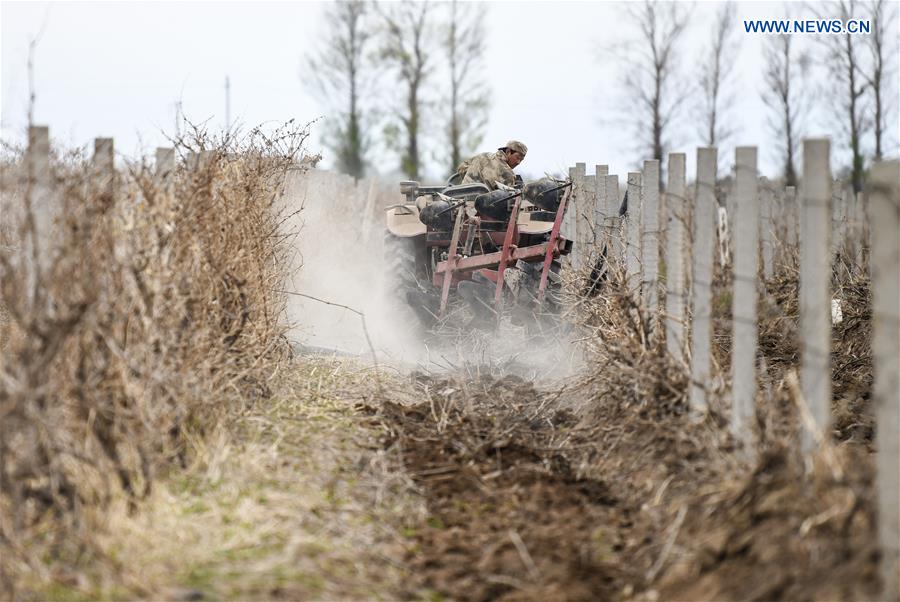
(715, 80)
(406, 46)
(783, 94)
(843, 62)
(653, 92)
(338, 73)
(464, 48)
(883, 48)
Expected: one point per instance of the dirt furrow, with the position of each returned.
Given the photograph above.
(510, 518)
(533, 495)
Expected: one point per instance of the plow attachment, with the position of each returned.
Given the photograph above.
(459, 267)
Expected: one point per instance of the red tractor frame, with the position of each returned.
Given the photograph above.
(493, 265)
(519, 231)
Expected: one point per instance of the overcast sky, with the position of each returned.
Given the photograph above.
(118, 68)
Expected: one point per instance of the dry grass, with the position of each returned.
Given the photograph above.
(137, 313)
(723, 527)
(294, 498)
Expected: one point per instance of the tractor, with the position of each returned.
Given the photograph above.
(467, 241)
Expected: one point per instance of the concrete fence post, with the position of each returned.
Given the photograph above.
(766, 203)
(41, 199)
(613, 223)
(633, 232)
(748, 204)
(705, 209)
(165, 162)
(207, 156)
(38, 162)
(600, 215)
(567, 228)
(650, 236)
(103, 154)
(884, 206)
(815, 278)
(675, 256)
(582, 225)
(193, 160)
(792, 211)
(590, 233)
(104, 165)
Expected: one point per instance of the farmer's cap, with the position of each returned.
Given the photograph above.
(515, 146)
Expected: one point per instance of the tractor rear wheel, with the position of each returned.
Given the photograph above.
(400, 262)
(405, 274)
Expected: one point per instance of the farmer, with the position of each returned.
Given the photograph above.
(492, 167)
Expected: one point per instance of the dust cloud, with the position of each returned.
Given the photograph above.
(339, 262)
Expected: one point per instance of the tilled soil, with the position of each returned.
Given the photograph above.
(509, 517)
(533, 498)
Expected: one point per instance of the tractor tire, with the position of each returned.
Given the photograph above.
(400, 263)
(404, 272)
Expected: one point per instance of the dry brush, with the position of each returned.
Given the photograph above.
(138, 308)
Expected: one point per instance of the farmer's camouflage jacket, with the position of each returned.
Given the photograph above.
(487, 168)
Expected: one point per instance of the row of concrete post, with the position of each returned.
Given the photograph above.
(103, 159)
(767, 228)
